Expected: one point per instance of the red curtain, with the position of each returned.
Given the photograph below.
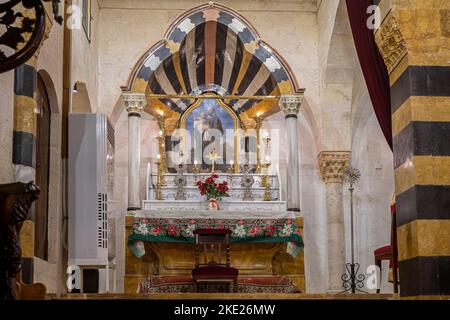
(372, 64)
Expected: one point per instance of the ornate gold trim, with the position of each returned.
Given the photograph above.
(391, 43)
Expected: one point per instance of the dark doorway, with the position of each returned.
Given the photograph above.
(43, 119)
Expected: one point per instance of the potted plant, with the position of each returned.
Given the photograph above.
(213, 190)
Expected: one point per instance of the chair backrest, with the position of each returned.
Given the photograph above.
(209, 243)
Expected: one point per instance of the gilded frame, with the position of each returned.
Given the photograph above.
(236, 122)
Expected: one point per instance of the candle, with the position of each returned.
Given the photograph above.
(158, 156)
(160, 133)
(232, 162)
(195, 163)
(147, 180)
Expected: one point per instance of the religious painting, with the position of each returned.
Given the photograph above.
(212, 126)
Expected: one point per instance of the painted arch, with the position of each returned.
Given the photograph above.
(212, 49)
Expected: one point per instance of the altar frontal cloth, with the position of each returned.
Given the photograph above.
(246, 227)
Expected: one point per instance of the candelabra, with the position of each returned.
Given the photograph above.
(266, 182)
(162, 141)
(265, 166)
(231, 171)
(259, 121)
(159, 178)
(352, 280)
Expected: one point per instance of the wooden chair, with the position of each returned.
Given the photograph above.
(211, 242)
(390, 252)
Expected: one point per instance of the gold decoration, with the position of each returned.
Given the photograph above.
(258, 120)
(227, 108)
(266, 182)
(213, 156)
(162, 142)
(391, 43)
(159, 180)
(332, 165)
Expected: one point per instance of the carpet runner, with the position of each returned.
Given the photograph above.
(184, 284)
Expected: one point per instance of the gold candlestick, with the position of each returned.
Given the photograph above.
(259, 121)
(158, 194)
(162, 140)
(266, 182)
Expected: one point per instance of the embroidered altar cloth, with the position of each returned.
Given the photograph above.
(246, 227)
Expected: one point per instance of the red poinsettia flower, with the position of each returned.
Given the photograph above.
(172, 230)
(213, 189)
(254, 231)
(269, 230)
(156, 230)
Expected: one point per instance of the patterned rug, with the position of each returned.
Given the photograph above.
(183, 284)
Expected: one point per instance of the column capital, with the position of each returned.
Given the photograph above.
(290, 104)
(332, 165)
(134, 101)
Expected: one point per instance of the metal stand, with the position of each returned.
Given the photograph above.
(351, 279)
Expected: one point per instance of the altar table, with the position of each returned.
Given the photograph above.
(265, 243)
(176, 227)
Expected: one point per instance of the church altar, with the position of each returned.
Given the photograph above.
(266, 229)
(236, 192)
(178, 227)
(264, 243)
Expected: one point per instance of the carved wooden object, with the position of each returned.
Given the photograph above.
(15, 202)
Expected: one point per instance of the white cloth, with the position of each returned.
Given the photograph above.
(221, 214)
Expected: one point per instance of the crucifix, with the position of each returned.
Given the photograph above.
(213, 156)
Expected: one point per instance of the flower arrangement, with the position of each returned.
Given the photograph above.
(212, 189)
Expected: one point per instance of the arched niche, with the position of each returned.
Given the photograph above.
(212, 49)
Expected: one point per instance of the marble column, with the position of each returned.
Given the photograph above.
(332, 165)
(134, 103)
(290, 105)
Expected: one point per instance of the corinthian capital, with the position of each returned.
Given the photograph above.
(332, 165)
(290, 104)
(134, 101)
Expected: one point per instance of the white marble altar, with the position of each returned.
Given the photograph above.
(195, 201)
(236, 191)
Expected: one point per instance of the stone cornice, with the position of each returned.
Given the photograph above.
(332, 165)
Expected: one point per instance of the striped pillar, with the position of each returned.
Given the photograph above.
(24, 151)
(409, 41)
(24, 134)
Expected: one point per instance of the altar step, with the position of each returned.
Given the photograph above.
(220, 296)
